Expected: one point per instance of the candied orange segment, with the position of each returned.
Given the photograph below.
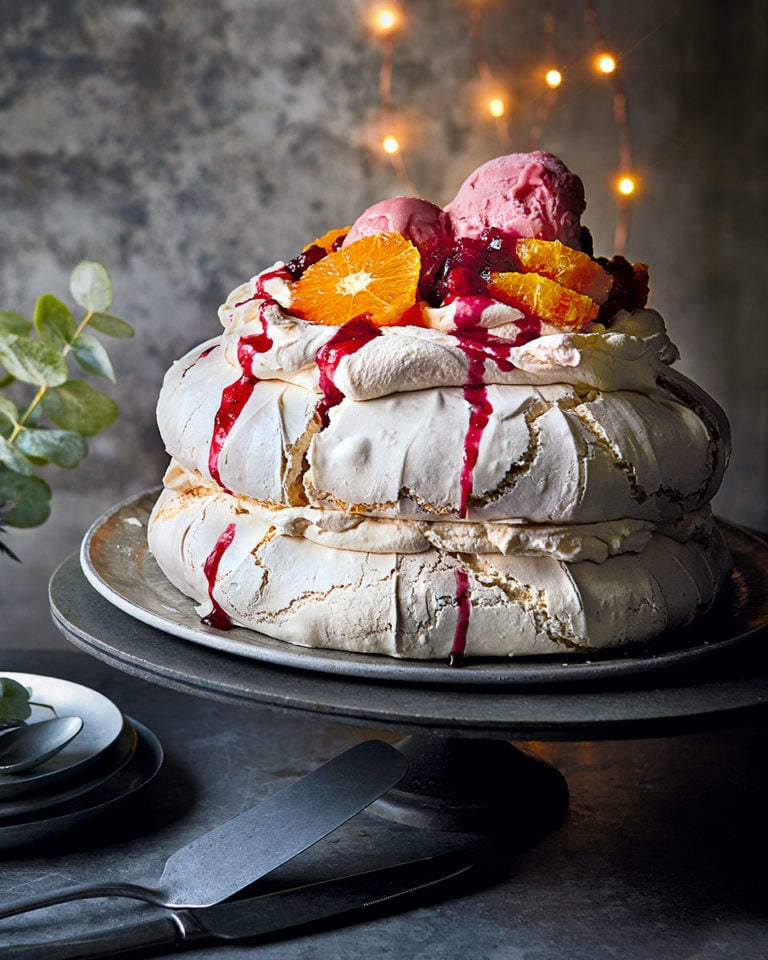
(545, 298)
(328, 239)
(571, 268)
(376, 277)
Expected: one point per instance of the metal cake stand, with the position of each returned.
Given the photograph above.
(465, 774)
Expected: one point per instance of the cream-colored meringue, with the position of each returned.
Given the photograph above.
(549, 454)
(407, 605)
(342, 530)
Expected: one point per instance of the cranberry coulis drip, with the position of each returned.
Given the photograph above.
(217, 617)
(349, 338)
(479, 345)
(236, 395)
(456, 656)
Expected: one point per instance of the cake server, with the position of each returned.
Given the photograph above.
(357, 897)
(235, 854)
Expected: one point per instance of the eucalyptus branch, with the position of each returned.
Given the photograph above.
(65, 350)
(63, 412)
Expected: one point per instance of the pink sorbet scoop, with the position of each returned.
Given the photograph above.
(522, 195)
(418, 220)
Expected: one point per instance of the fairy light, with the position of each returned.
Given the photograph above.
(385, 21)
(390, 145)
(605, 63)
(553, 78)
(626, 185)
(496, 107)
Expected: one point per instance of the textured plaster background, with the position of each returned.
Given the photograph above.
(187, 144)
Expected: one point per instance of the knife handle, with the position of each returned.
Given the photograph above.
(168, 931)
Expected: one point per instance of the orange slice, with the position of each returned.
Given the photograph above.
(569, 267)
(545, 298)
(375, 277)
(328, 239)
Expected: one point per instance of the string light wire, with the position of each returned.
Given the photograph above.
(386, 21)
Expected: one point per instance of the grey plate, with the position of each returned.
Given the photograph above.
(102, 723)
(136, 774)
(107, 765)
(116, 561)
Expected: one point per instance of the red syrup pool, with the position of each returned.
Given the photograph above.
(236, 395)
(479, 345)
(349, 338)
(217, 617)
(456, 656)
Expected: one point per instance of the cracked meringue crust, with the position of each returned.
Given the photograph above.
(405, 604)
(554, 453)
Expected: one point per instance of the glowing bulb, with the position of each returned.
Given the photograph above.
(605, 63)
(496, 107)
(554, 78)
(385, 20)
(626, 186)
(390, 145)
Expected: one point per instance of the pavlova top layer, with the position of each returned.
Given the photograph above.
(629, 355)
(498, 288)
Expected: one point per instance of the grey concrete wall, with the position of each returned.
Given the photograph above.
(189, 143)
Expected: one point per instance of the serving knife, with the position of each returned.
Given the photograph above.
(297, 910)
(236, 854)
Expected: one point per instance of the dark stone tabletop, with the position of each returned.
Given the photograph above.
(662, 854)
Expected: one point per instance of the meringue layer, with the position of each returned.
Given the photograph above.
(558, 453)
(407, 604)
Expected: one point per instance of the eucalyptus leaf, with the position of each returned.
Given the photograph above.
(6, 381)
(12, 322)
(91, 286)
(92, 357)
(32, 361)
(65, 448)
(8, 410)
(54, 321)
(76, 405)
(14, 459)
(111, 326)
(14, 702)
(26, 500)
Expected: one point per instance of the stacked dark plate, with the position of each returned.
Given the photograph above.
(110, 759)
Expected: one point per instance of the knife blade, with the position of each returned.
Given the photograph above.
(296, 910)
(234, 855)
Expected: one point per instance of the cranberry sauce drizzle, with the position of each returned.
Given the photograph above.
(236, 395)
(349, 338)
(479, 345)
(456, 656)
(217, 617)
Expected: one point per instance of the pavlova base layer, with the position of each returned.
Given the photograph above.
(422, 604)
